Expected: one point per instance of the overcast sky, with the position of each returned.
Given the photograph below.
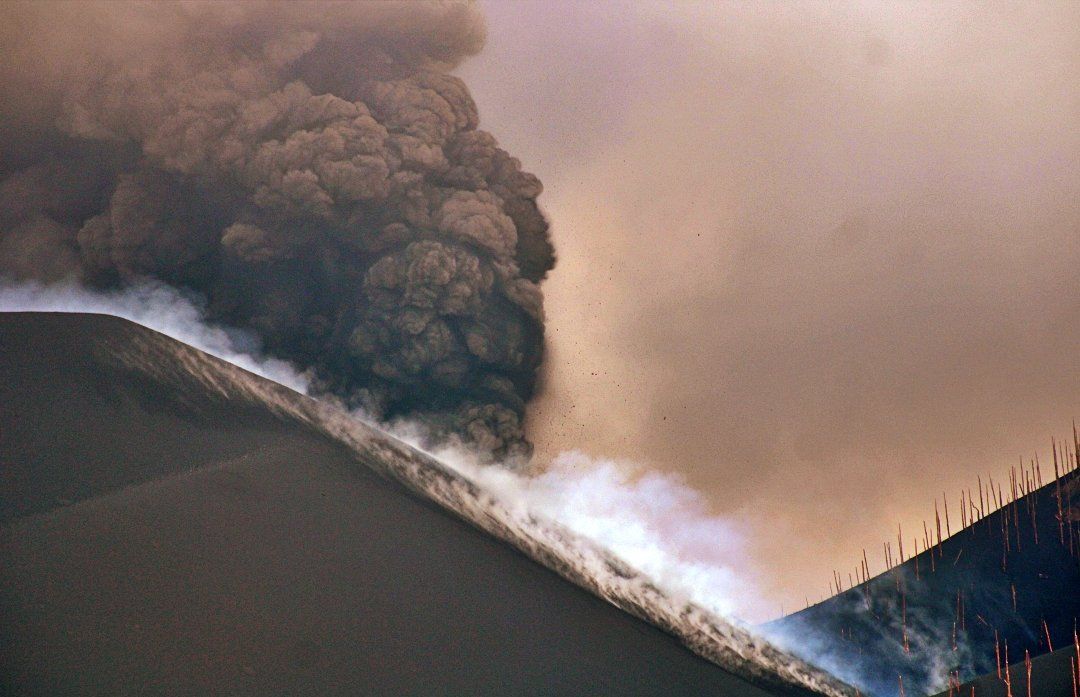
(819, 258)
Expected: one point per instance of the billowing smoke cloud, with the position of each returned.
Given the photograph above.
(313, 171)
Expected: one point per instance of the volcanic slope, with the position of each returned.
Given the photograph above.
(174, 525)
(1005, 586)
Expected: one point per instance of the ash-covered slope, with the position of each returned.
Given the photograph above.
(174, 525)
(1004, 587)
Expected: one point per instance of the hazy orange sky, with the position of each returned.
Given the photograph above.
(819, 258)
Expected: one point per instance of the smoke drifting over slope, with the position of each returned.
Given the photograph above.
(313, 170)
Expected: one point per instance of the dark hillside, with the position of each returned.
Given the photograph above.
(1052, 675)
(1006, 585)
(165, 536)
(76, 422)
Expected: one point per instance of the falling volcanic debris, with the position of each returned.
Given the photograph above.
(313, 171)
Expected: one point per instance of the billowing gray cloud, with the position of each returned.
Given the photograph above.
(313, 170)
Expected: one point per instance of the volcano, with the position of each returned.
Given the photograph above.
(171, 524)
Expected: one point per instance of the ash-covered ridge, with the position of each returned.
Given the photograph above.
(313, 170)
(576, 559)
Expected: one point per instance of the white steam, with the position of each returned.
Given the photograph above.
(161, 308)
(652, 521)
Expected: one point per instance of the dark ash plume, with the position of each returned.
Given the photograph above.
(313, 170)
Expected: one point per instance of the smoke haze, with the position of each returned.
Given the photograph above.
(820, 259)
(314, 171)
